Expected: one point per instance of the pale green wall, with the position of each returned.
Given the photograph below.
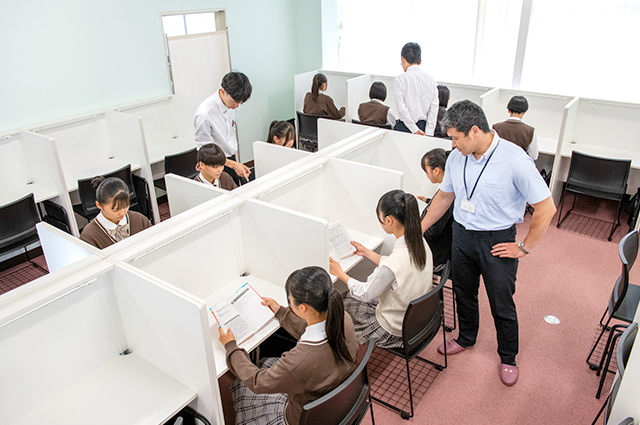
(62, 58)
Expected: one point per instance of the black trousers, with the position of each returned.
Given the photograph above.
(239, 180)
(422, 124)
(471, 257)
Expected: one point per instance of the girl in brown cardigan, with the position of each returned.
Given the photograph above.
(318, 103)
(115, 222)
(323, 358)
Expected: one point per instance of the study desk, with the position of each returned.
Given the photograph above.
(368, 241)
(93, 169)
(143, 393)
(547, 145)
(158, 150)
(12, 193)
(567, 148)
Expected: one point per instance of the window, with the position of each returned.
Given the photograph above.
(191, 23)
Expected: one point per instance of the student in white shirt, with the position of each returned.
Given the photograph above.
(211, 162)
(215, 121)
(416, 95)
(378, 305)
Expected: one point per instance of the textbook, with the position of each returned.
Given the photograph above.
(340, 241)
(244, 313)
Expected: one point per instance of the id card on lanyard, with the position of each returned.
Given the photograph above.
(467, 204)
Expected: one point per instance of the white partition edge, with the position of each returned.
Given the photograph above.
(490, 99)
(357, 93)
(43, 162)
(567, 128)
(269, 157)
(184, 194)
(301, 85)
(127, 142)
(61, 249)
(333, 131)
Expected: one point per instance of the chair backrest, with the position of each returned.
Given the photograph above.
(88, 194)
(625, 344)
(627, 251)
(345, 405)
(182, 164)
(18, 223)
(605, 174)
(423, 317)
(612, 398)
(627, 421)
(308, 126)
(385, 126)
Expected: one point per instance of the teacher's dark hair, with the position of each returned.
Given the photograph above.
(237, 85)
(412, 53)
(111, 191)
(463, 115)
(404, 208)
(318, 81)
(312, 286)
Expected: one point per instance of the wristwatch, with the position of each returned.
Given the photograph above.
(521, 246)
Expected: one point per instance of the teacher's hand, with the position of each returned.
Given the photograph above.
(507, 250)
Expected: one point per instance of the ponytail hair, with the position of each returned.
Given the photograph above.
(318, 81)
(312, 286)
(111, 191)
(404, 208)
(435, 158)
(281, 129)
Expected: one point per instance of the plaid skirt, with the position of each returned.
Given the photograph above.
(258, 409)
(366, 325)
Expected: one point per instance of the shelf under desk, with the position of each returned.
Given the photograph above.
(95, 168)
(125, 390)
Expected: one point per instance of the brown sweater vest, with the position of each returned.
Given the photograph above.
(373, 112)
(516, 132)
(94, 235)
(324, 105)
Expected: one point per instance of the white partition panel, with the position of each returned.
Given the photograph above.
(184, 194)
(332, 131)
(560, 166)
(269, 157)
(357, 93)
(61, 249)
(458, 92)
(490, 100)
(301, 86)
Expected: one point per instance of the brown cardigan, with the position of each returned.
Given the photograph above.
(304, 374)
(225, 181)
(322, 106)
(94, 235)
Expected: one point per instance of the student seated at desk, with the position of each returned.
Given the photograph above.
(318, 103)
(375, 111)
(323, 358)
(115, 222)
(281, 133)
(439, 235)
(443, 97)
(211, 160)
(378, 305)
(516, 131)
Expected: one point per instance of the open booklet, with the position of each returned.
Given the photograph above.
(340, 242)
(244, 313)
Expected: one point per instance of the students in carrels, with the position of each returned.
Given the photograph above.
(378, 305)
(211, 160)
(281, 133)
(323, 358)
(115, 222)
(318, 103)
(375, 111)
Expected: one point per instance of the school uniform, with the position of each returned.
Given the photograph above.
(376, 112)
(323, 105)
(101, 233)
(519, 133)
(417, 100)
(439, 130)
(304, 374)
(223, 182)
(215, 123)
(378, 305)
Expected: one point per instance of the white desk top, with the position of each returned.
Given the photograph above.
(159, 149)
(262, 287)
(602, 151)
(371, 242)
(547, 145)
(11, 193)
(96, 168)
(125, 390)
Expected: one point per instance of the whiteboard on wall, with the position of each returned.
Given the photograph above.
(198, 63)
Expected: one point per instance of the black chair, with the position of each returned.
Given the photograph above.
(422, 321)
(87, 207)
(385, 126)
(627, 338)
(345, 405)
(144, 197)
(598, 177)
(625, 297)
(181, 164)
(308, 131)
(56, 216)
(18, 226)
(188, 416)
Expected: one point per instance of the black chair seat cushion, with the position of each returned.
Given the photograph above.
(627, 310)
(615, 194)
(19, 240)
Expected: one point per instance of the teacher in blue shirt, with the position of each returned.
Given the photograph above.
(491, 181)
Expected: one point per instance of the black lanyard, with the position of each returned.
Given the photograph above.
(464, 173)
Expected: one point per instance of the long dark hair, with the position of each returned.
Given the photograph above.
(318, 81)
(312, 286)
(111, 191)
(281, 129)
(404, 208)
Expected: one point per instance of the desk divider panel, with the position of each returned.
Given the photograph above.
(357, 93)
(567, 129)
(61, 249)
(331, 132)
(269, 157)
(490, 101)
(458, 92)
(184, 194)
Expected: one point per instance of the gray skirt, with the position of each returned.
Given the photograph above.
(258, 409)
(366, 325)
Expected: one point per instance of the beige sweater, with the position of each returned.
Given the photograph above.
(304, 374)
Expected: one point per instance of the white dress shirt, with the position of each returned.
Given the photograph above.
(117, 232)
(417, 99)
(532, 150)
(215, 123)
(315, 333)
(391, 119)
(202, 179)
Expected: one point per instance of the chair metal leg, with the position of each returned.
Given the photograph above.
(608, 354)
(603, 316)
(373, 422)
(616, 220)
(601, 410)
(594, 366)
(36, 265)
(564, 192)
(453, 302)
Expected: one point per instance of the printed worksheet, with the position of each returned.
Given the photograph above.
(340, 241)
